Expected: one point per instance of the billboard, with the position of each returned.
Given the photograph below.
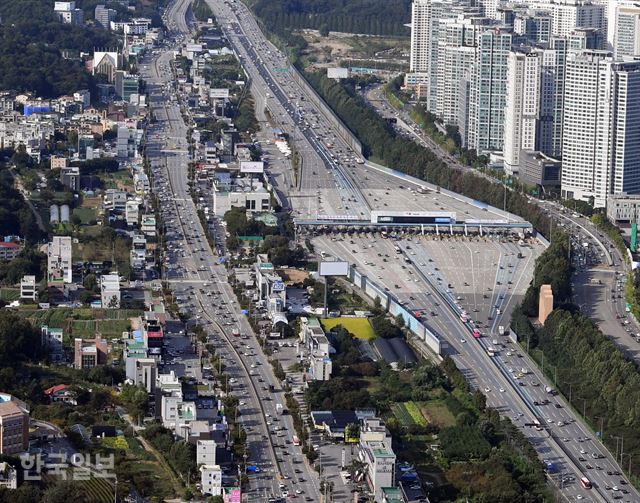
(251, 167)
(334, 268)
(337, 73)
(219, 94)
(278, 286)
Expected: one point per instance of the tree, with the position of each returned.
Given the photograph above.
(135, 399)
(64, 492)
(90, 282)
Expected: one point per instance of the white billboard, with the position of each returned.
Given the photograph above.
(219, 94)
(337, 73)
(334, 269)
(251, 167)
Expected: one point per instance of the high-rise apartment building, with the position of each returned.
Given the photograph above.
(601, 127)
(488, 90)
(420, 36)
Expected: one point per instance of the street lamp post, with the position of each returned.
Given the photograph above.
(601, 427)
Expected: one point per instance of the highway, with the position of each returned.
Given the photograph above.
(513, 384)
(193, 271)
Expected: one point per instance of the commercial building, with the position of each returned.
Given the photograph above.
(126, 85)
(375, 450)
(28, 289)
(623, 208)
(89, 353)
(59, 260)
(537, 168)
(600, 154)
(104, 16)
(14, 425)
(110, 291)
(67, 13)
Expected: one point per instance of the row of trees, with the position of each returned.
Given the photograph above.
(594, 374)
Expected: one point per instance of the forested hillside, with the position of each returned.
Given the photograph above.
(377, 17)
(31, 41)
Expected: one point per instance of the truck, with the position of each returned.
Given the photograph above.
(279, 409)
(550, 467)
(501, 330)
(550, 390)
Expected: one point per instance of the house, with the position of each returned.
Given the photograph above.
(206, 452)
(61, 393)
(89, 353)
(104, 431)
(333, 422)
(14, 425)
(28, 289)
(142, 370)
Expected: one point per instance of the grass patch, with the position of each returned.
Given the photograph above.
(437, 413)
(359, 327)
(86, 214)
(117, 443)
(414, 411)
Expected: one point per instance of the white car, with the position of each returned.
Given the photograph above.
(487, 390)
(501, 390)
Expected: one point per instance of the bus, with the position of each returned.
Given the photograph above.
(463, 317)
(296, 440)
(585, 482)
(476, 333)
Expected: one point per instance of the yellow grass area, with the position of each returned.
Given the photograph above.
(359, 327)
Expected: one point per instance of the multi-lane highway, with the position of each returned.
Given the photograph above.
(444, 278)
(201, 283)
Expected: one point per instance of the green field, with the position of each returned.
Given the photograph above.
(9, 294)
(85, 214)
(438, 413)
(359, 327)
(408, 414)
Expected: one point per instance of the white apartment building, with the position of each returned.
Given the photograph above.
(211, 479)
(59, 260)
(568, 15)
(206, 452)
(488, 90)
(420, 36)
(601, 127)
(110, 291)
(28, 288)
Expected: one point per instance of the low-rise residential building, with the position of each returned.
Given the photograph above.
(148, 225)
(206, 452)
(28, 288)
(110, 291)
(141, 183)
(141, 370)
(52, 340)
(70, 177)
(8, 476)
(318, 347)
(89, 353)
(115, 200)
(247, 193)
(14, 425)
(9, 250)
(58, 162)
(211, 479)
(59, 260)
(61, 393)
(132, 213)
